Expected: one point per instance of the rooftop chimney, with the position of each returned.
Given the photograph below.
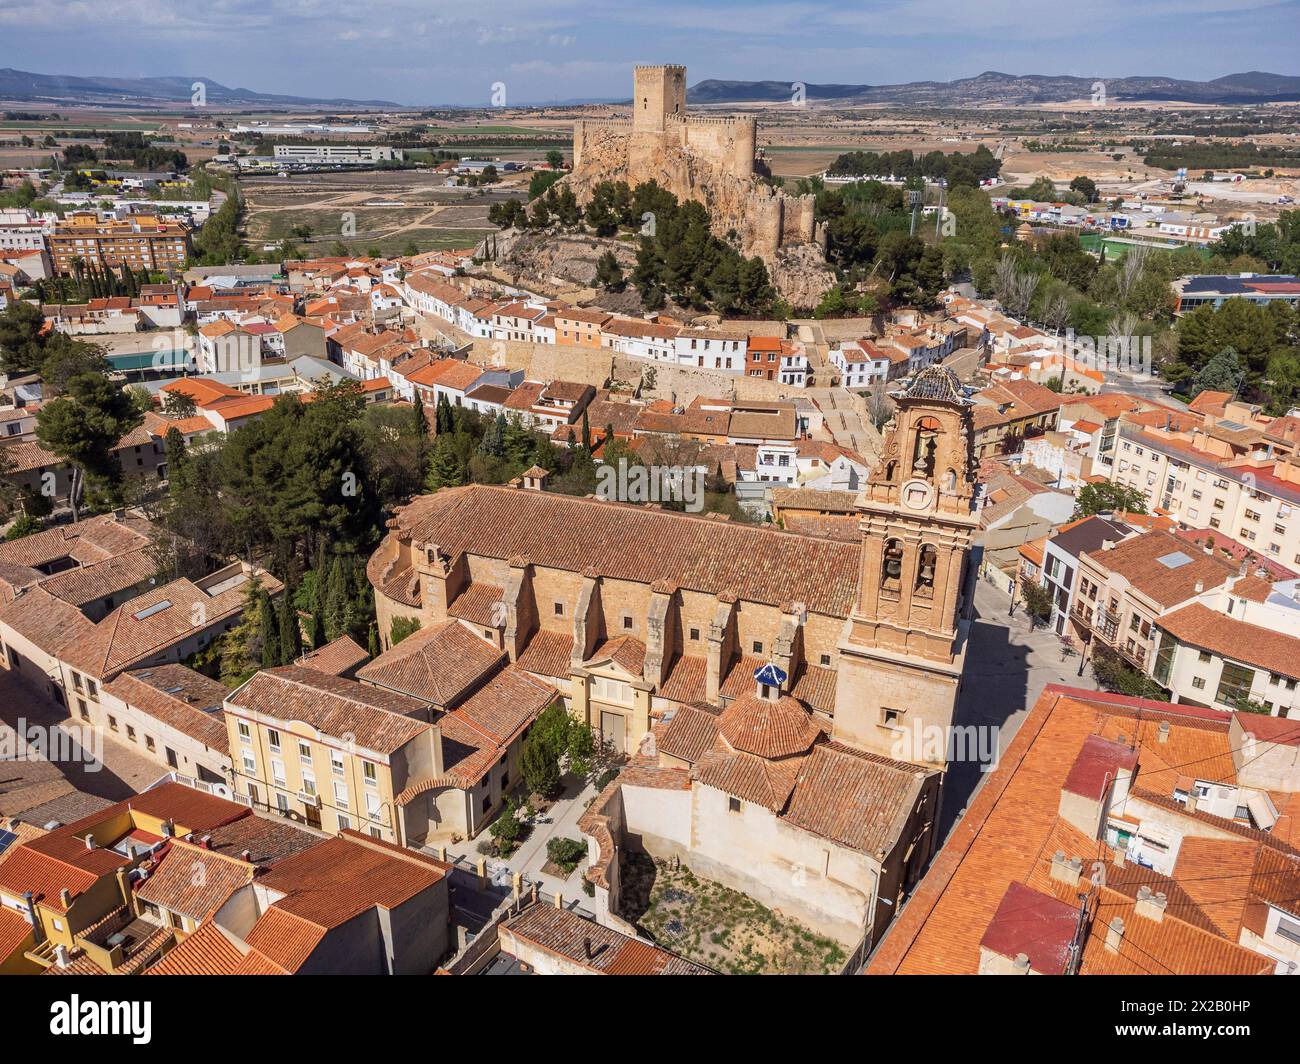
(246, 855)
(1114, 934)
(90, 842)
(1150, 904)
(1163, 732)
(1200, 586)
(65, 898)
(61, 955)
(1021, 964)
(1107, 544)
(1066, 871)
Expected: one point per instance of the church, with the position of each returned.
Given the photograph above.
(748, 673)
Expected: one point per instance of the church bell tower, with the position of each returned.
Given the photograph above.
(903, 647)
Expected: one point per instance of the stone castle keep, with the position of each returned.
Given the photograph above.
(710, 160)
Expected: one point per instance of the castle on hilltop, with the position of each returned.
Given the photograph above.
(710, 160)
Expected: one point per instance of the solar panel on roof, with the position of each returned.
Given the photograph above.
(1174, 560)
(7, 839)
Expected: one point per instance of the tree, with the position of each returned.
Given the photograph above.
(540, 765)
(178, 406)
(1037, 600)
(609, 274)
(1086, 187)
(270, 631)
(83, 427)
(22, 347)
(554, 158)
(336, 601)
(506, 828)
(290, 632)
(1113, 673)
(401, 628)
(1223, 373)
(1108, 497)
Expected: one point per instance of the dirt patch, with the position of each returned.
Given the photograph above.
(718, 926)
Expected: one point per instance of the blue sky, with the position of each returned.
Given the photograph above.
(453, 51)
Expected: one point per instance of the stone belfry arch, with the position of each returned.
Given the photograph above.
(903, 647)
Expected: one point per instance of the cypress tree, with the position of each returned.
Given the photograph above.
(336, 601)
(290, 631)
(270, 633)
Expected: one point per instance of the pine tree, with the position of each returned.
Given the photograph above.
(586, 433)
(269, 631)
(373, 640)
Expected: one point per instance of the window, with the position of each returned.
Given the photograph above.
(695, 635)
(1288, 929)
(82, 710)
(733, 805)
(1234, 684)
(304, 752)
(758, 647)
(370, 773)
(340, 794)
(130, 733)
(244, 733)
(559, 609)
(891, 718)
(825, 659)
(308, 783)
(1203, 655)
(273, 738)
(336, 762)
(282, 803)
(277, 773)
(344, 823)
(1198, 682)
(149, 744)
(627, 621)
(250, 764)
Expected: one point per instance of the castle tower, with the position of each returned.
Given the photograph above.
(657, 92)
(903, 648)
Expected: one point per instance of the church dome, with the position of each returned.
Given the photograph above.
(768, 728)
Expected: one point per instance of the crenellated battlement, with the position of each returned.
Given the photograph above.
(724, 121)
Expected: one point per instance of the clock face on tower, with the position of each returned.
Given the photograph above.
(917, 495)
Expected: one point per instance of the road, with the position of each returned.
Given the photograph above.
(121, 769)
(1007, 667)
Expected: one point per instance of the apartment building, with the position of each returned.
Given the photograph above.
(138, 241)
(1060, 563)
(1236, 646)
(1250, 493)
(1125, 587)
(328, 751)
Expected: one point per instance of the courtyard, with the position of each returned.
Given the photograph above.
(717, 926)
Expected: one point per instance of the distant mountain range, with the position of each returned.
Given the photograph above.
(21, 85)
(992, 87)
